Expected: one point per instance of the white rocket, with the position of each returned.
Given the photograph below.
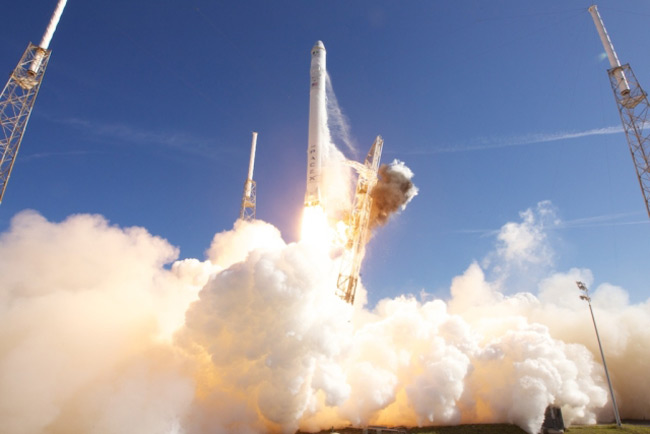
(317, 124)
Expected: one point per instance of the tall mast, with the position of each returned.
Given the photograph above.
(247, 211)
(609, 49)
(633, 108)
(51, 27)
(19, 95)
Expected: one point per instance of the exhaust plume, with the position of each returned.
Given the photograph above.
(107, 338)
(337, 122)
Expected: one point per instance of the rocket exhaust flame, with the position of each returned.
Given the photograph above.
(315, 227)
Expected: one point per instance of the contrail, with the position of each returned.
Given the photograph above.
(125, 133)
(505, 142)
(604, 220)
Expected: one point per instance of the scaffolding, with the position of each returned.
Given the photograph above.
(632, 104)
(633, 108)
(16, 104)
(358, 223)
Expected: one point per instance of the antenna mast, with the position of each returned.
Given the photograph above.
(247, 211)
(18, 97)
(633, 108)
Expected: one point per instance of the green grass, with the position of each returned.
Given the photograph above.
(459, 429)
(510, 429)
(609, 429)
(470, 429)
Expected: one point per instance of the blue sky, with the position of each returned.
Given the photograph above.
(147, 108)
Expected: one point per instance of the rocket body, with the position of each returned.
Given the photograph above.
(318, 133)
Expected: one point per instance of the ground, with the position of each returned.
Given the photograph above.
(507, 429)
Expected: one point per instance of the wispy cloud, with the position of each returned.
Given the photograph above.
(123, 133)
(39, 155)
(618, 219)
(527, 139)
(604, 220)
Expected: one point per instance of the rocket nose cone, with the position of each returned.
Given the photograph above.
(319, 44)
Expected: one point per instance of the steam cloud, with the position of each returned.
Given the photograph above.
(393, 191)
(99, 335)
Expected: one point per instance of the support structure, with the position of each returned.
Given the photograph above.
(358, 223)
(633, 108)
(18, 97)
(16, 103)
(247, 211)
(634, 111)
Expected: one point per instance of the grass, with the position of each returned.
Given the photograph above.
(609, 429)
(470, 429)
(510, 429)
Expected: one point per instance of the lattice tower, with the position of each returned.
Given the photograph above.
(16, 104)
(633, 108)
(249, 198)
(632, 103)
(358, 223)
(247, 211)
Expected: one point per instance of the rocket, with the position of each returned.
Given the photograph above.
(318, 134)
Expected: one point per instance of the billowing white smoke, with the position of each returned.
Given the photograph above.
(87, 311)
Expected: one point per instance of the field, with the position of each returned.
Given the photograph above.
(609, 429)
(507, 429)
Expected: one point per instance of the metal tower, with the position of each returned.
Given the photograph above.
(16, 103)
(247, 211)
(18, 97)
(359, 220)
(633, 107)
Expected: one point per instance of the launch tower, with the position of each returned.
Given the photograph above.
(18, 97)
(632, 103)
(247, 211)
(358, 223)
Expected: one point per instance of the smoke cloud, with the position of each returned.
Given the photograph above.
(100, 335)
(393, 191)
(86, 310)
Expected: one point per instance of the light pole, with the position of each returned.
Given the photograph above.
(586, 297)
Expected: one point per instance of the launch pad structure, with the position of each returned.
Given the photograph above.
(358, 223)
(16, 103)
(249, 198)
(19, 95)
(633, 108)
